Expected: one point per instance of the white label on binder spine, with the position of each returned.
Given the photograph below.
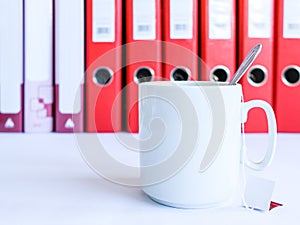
(291, 19)
(11, 57)
(103, 21)
(181, 19)
(259, 18)
(38, 40)
(220, 19)
(144, 20)
(69, 70)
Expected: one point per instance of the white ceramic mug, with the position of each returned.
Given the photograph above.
(190, 141)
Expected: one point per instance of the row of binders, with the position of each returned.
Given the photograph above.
(64, 67)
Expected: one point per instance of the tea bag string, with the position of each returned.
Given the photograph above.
(244, 157)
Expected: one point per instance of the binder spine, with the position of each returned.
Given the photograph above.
(38, 66)
(11, 66)
(180, 22)
(143, 52)
(69, 65)
(287, 71)
(218, 39)
(103, 65)
(256, 26)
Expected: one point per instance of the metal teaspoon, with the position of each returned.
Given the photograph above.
(251, 56)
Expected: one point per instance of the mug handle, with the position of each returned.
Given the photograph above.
(272, 132)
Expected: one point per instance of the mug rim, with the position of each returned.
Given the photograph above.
(189, 84)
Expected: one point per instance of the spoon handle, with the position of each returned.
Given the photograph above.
(246, 63)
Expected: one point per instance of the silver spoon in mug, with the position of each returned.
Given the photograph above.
(251, 56)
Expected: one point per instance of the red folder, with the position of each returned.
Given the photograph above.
(287, 54)
(256, 22)
(218, 41)
(143, 51)
(180, 35)
(103, 65)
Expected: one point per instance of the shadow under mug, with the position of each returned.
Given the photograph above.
(190, 141)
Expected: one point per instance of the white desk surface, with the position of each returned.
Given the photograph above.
(45, 181)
